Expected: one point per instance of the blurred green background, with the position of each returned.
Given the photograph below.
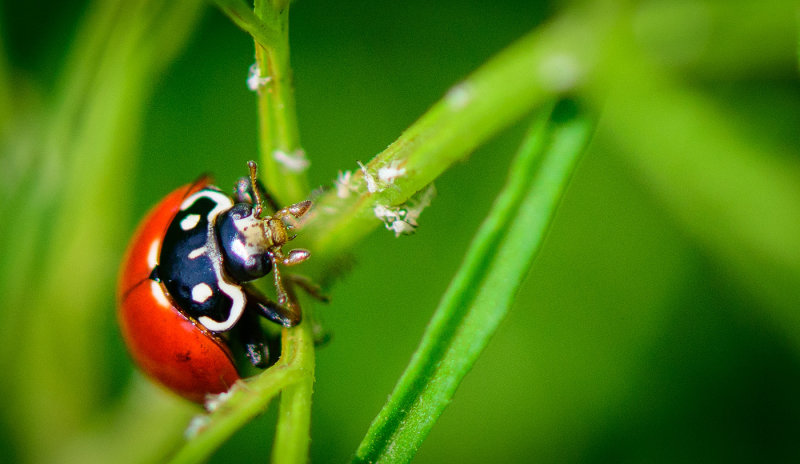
(660, 323)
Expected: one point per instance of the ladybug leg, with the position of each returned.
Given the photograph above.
(283, 296)
(261, 350)
(292, 213)
(294, 257)
(285, 315)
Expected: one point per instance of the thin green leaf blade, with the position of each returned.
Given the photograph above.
(484, 288)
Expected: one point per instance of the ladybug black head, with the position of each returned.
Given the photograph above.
(242, 239)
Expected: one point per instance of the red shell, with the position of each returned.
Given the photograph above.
(167, 345)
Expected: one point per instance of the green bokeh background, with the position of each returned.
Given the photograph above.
(634, 339)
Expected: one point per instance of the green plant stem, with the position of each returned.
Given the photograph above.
(292, 436)
(245, 403)
(279, 139)
(293, 378)
(482, 291)
(547, 62)
(278, 132)
(278, 128)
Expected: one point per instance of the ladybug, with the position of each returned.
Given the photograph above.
(185, 303)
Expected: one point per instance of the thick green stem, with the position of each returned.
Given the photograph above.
(243, 405)
(282, 158)
(292, 436)
(282, 168)
(543, 64)
(293, 378)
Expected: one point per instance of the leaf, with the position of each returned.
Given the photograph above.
(483, 290)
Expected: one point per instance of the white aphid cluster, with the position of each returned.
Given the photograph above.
(402, 219)
(386, 176)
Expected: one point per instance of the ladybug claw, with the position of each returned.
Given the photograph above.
(278, 313)
(259, 304)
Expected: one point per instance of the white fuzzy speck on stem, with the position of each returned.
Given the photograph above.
(459, 96)
(344, 184)
(214, 401)
(294, 162)
(560, 71)
(372, 184)
(196, 425)
(388, 174)
(254, 79)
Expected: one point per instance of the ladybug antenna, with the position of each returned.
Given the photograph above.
(257, 207)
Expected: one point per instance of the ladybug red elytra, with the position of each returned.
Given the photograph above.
(183, 294)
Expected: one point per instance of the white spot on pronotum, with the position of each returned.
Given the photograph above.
(222, 202)
(254, 79)
(388, 174)
(459, 96)
(403, 219)
(197, 252)
(294, 162)
(152, 253)
(190, 221)
(372, 184)
(559, 71)
(158, 294)
(201, 293)
(344, 185)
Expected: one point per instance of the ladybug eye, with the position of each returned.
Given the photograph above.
(241, 239)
